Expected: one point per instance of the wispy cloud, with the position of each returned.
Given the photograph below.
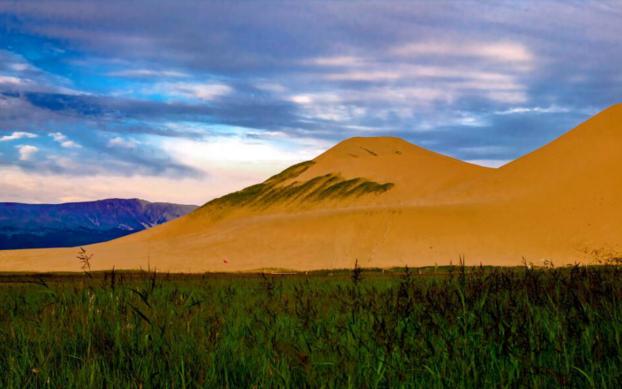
(10, 80)
(504, 52)
(336, 61)
(17, 135)
(194, 90)
(123, 143)
(526, 110)
(62, 140)
(148, 73)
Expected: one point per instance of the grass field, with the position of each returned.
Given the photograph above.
(449, 327)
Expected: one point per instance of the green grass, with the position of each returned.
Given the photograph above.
(448, 327)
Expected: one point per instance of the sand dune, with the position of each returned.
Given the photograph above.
(387, 203)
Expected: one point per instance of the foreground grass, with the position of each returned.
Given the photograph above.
(465, 328)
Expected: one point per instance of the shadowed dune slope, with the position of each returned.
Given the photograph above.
(387, 203)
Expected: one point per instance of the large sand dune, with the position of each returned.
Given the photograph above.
(388, 203)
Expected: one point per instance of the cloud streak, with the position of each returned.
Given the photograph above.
(17, 135)
(62, 140)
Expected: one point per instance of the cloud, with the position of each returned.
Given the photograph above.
(194, 90)
(26, 152)
(148, 115)
(522, 110)
(494, 163)
(504, 52)
(369, 75)
(62, 140)
(148, 73)
(306, 99)
(236, 149)
(25, 186)
(17, 135)
(119, 142)
(336, 61)
(10, 80)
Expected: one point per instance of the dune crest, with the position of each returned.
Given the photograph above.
(387, 203)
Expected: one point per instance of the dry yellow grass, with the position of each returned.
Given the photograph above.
(410, 206)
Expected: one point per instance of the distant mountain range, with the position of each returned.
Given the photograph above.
(80, 223)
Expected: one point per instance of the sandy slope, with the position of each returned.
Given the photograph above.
(563, 202)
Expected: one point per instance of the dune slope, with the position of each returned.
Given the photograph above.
(387, 203)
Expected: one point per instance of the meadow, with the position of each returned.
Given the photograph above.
(431, 327)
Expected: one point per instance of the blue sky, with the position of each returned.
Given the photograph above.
(183, 101)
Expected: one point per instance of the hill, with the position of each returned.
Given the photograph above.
(385, 202)
(80, 223)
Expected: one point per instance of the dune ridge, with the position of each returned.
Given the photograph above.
(386, 202)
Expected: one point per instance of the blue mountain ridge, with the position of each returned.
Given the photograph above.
(79, 223)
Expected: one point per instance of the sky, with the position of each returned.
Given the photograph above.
(184, 101)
